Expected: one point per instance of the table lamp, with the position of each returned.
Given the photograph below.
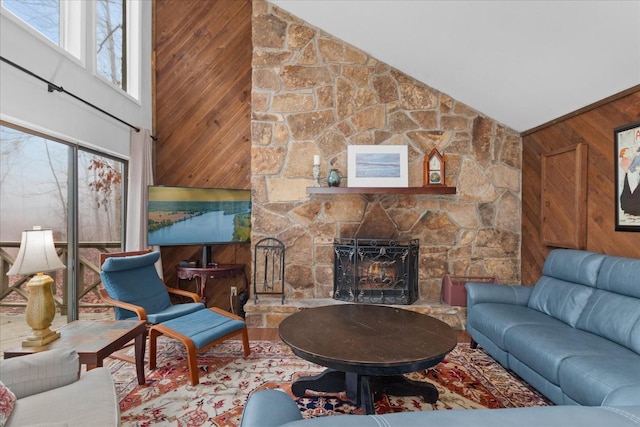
(37, 255)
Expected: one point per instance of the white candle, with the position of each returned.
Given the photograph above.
(316, 160)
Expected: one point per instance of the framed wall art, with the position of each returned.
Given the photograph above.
(377, 166)
(626, 141)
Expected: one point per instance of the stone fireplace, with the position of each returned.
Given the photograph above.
(313, 94)
(376, 271)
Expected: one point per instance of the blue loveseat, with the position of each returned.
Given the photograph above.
(574, 335)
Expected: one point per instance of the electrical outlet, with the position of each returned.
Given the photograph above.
(234, 291)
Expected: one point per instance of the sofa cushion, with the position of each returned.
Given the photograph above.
(543, 349)
(574, 266)
(620, 275)
(613, 316)
(7, 402)
(91, 401)
(40, 371)
(568, 280)
(590, 379)
(134, 279)
(560, 299)
(204, 326)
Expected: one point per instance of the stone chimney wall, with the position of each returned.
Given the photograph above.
(315, 95)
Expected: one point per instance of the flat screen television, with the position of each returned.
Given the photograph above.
(198, 216)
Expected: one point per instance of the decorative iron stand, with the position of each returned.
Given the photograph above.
(268, 268)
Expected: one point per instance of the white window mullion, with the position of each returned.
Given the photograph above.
(133, 39)
(91, 36)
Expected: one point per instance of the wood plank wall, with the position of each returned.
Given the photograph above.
(202, 52)
(595, 128)
(203, 89)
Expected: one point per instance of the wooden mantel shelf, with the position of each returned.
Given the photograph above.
(433, 189)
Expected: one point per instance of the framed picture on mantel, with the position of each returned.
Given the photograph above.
(377, 166)
(627, 176)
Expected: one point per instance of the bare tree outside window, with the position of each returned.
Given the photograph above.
(111, 41)
(43, 15)
(104, 184)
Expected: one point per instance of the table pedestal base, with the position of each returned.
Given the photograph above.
(364, 389)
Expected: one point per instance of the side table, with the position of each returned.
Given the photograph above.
(203, 273)
(94, 340)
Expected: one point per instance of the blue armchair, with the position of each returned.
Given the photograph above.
(133, 287)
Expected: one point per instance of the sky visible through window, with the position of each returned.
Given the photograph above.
(43, 15)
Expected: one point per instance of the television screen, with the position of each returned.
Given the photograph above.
(198, 216)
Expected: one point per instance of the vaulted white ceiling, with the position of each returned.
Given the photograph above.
(521, 62)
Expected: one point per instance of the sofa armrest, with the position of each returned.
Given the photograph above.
(269, 408)
(488, 292)
(39, 372)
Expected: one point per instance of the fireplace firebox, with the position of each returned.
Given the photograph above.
(376, 271)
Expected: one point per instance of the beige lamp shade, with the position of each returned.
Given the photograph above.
(37, 254)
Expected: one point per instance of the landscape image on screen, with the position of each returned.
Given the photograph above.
(194, 216)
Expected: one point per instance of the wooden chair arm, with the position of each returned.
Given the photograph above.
(195, 297)
(140, 312)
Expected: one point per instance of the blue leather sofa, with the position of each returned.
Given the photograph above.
(274, 408)
(574, 335)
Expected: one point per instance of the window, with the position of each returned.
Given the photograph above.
(111, 41)
(76, 192)
(104, 34)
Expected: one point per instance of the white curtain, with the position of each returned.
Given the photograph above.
(140, 177)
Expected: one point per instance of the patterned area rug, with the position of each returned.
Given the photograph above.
(467, 379)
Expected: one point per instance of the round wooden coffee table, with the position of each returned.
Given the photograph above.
(366, 349)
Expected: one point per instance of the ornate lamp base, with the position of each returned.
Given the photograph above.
(40, 312)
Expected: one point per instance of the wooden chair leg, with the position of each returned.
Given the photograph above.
(187, 342)
(245, 342)
(153, 335)
(473, 344)
(192, 361)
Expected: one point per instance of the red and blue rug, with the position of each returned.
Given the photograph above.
(466, 379)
